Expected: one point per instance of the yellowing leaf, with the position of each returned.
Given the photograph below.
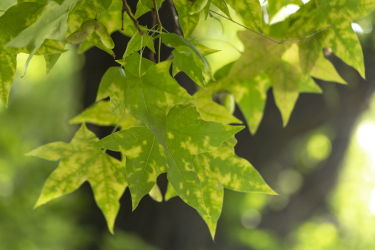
(222, 168)
(79, 162)
(100, 114)
(210, 110)
(187, 136)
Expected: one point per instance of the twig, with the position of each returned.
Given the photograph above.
(126, 8)
(152, 54)
(157, 12)
(269, 38)
(160, 26)
(175, 18)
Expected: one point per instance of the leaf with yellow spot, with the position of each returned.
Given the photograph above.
(187, 136)
(145, 159)
(170, 193)
(212, 111)
(222, 168)
(267, 58)
(191, 136)
(80, 162)
(338, 15)
(100, 114)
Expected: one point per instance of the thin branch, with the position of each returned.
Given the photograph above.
(157, 12)
(159, 24)
(175, 18)
(269, 38)
(126, 8)
(152, 54)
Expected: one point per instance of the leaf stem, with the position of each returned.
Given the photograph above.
(269, 38)
(125, 7)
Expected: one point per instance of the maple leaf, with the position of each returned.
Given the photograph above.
(267, 58)
(79, 162)
(338, 15)
(219, 169)
(187, 136)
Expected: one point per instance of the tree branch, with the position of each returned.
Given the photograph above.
(126, 8)
(175, 18)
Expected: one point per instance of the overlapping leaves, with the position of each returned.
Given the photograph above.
(164, 129)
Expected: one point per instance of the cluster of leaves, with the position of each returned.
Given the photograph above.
(163, 129)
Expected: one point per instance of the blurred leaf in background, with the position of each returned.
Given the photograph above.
(21, 177)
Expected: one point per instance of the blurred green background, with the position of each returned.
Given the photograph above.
(39, 110)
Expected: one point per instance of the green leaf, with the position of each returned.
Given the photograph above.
(137, 42)
(51, 61)
(89, 10)
(6, 4)
(144, 6)
(197, 6)
(111, 18)
(170, 193)
(222, 168)
(325, 71)
(79, 163)
(205, 51)
(145, 159)
(8, 62)
(17, 18)
(187, 22)
(184, 60)
(268, 58)
(149, 97)
(251, 95)
(275, 5)
(250, 12)
(210, 110)
(52, 24)
(338, 15)
(223, 6)
(100, 114)
(95, 40)
(187, 136)
(186, 47)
